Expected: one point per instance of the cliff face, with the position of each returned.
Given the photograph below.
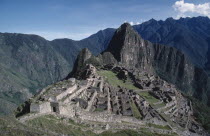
(128, 49)
(174, 66)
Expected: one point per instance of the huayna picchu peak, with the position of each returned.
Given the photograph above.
(134, 85)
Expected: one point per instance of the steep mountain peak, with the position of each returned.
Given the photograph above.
(152, 21)
(83, 56)
(124, 39)
(170, 19)
(125, 26)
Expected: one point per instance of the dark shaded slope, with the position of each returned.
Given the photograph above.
(27, 63)
(187, 34)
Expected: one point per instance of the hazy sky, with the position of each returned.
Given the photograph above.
(77, 19)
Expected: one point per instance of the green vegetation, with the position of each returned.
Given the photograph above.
(112, 78)
(11, 80)
(10, 127)
(158, 105)
(54, 124)
(201, 112)
(135, 110)
(127, 132)
(149, 98)
(147, 132)
(94, 61)
(120, 133)
(159, 126)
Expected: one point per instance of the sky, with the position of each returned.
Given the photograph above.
(78, 19)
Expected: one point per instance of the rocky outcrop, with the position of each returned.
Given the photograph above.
(174, 66)
(129, 49)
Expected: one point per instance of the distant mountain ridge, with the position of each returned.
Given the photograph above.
(187, 34)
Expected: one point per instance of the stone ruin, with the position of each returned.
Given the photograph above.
(94, 99)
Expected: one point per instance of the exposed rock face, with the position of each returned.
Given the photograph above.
(130, 49)
(84, 57)
(175, 67)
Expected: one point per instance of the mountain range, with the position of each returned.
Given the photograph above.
(133, 84)
(29, 62)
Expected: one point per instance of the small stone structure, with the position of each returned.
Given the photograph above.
(44, 107)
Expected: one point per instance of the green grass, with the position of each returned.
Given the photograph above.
(128, 132)
(159, 126)
(112, 79)
(10, 127)
(56, 125)
(47, 124)
(135, 110)
(149, 98)
(147, 132)
(201, 112)
(120, 133)
(51, 123)
(159, 105)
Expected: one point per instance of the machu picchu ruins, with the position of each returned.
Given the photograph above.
(121, 88)
(95, 99)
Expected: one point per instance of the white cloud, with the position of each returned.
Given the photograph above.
(131, 23)
(137, 23)
(184, 8)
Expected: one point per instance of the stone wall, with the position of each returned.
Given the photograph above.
(68, 91)
(82, 88)
(45, 107)
(34, 107)
(41, 107)
(67, 110)
(105, 117)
